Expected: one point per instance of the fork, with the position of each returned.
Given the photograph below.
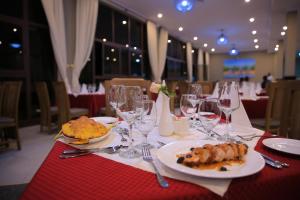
(148, 158)
(249, 138)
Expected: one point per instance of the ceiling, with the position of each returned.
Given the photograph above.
(208, 17)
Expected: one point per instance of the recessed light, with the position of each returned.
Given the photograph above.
(205, 45)
(276, 49)
(252, 19)
(195, 38)
(127, 45)
(160, 15)
(112, 50)
(15, 29)
(180, 28)
(213, 49)
(282, 33)
(193, 51)
(277, 46)
(124, 22)
(247, 1)
(169, 41)
(254, 32)
(256, 46)
(255, 40)
(104, 39)
(284, 28)
(135, 48)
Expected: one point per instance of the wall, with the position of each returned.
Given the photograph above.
(265, 63)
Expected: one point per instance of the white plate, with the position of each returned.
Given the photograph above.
(167, 155)
(283, 145)
(105, 120)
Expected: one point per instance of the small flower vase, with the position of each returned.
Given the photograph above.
(165, 123)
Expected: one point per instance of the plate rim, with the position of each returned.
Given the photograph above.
(280, 150)
(209, 176)
(94, 118)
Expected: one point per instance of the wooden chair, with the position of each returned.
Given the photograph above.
(145, 84)
(65, 113)
(276, 93)
(207, 86)
(46, 111)
(9, 120)
(290, 122)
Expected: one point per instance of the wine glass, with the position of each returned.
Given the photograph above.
(114, 96)
(229, 101)
(131, 97)
(147, 121)
(188, 104)
(209, 114)
(195, 89)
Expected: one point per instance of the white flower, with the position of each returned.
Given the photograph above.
(154, 88)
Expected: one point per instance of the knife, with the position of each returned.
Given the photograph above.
(80, 151)
(273, 164)
(283, 164)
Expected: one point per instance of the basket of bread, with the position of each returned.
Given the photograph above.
(83, 131)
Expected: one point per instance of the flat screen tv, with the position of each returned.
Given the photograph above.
(239, 68)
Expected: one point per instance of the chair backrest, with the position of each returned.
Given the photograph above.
(183, 87)
(62, 102)
(2, 88)
(207, 86)
(44, 100)
(145, 84)
(11, 97)
(276, 93)
(290, 122)
(171, 85)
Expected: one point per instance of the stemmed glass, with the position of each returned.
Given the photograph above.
(114, 96)
(209, 114)
(147, 121)
(229, 101)
(131, 96)
(188, 104)
(195, 89)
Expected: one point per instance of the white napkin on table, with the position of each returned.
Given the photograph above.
(164, 116)
(101, 89)
(84, 89)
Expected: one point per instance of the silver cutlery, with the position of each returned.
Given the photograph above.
(249, 138)
(148, 158)
(120, 132)
(273, 164)
(283, 164)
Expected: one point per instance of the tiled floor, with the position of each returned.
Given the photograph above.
(18, 167)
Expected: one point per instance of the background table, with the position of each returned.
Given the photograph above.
(94, 177)
(93, 102)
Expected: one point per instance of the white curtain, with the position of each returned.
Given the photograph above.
(207, 63)
(162, 51)
(157, 49)
(189, 61)
(86, 21)
(200, 63)
(55, 15)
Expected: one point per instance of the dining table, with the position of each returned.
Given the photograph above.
(103, 176)
(92, 101)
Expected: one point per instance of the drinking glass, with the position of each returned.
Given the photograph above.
(188, 105)
(114, 96)
(229, 101)
(195, 89)
(209, 114)
(131, 96)
(147, 121)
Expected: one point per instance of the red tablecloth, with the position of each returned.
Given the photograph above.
(94, 177)
(256, 109)
(93, 102)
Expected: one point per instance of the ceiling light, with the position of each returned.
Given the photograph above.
(180, 28)
(222, 39)
(112, 50)
(104, 39)
(107, 58)
(169, 41)
(135, 48)
(127, 45)
(195, 38)
(205, 45)
(284, 28)
(256, 46)
(251, 19)
(0, 42)
(213, 49)
(254, 32)
(15, 29)
(193, 51)
(282, 33)
(255, 40)
(247, 1)
(277, 46)
(124, 22)
(137, 60)
(183, 46)
(276, 49)
(233, 51)
(114, 59)
(160, 15)
(184, 5)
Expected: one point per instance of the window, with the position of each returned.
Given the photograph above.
(11, 46)
(135, 33)
(36, 12)
(121, 29)
(13, 8)
(195, 64)
(104, 23)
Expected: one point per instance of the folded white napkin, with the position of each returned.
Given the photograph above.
(84, 89)
(258, 88)
(101, 89)
(215, 93)
(164, 116)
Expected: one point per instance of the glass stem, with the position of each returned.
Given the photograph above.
(130, 136)
(227, 124)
